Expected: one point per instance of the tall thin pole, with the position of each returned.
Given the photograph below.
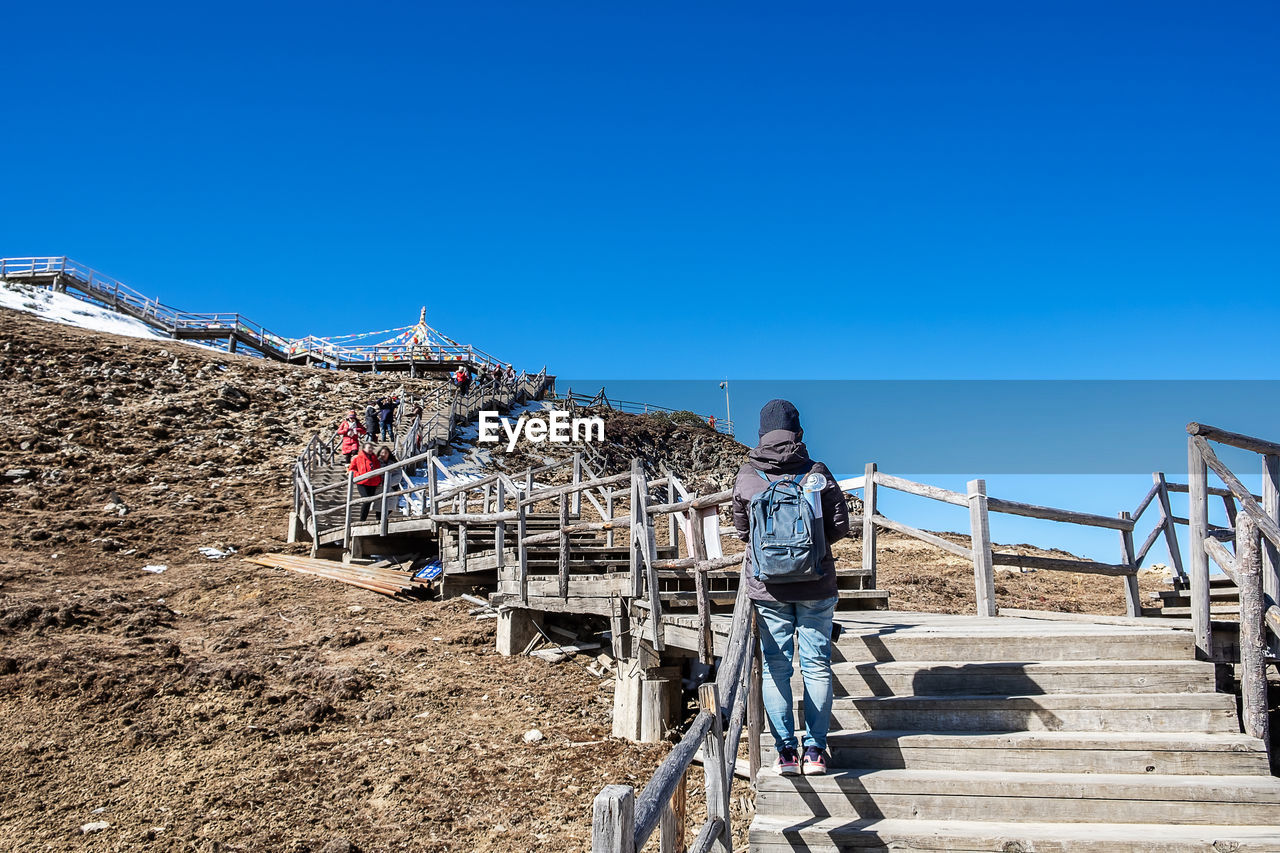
(728, 415)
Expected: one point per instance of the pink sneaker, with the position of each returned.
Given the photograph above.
(815, 762)
(788, 763)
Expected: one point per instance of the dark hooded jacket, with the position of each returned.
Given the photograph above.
(781, 452)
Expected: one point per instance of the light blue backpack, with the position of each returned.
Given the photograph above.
(786, 541)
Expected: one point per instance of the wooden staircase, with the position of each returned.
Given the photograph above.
(960, 733)
(1224, 600)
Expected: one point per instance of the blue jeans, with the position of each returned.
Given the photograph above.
(780, 623)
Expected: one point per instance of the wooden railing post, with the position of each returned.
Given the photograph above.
(869, 525)
(1253, 647)
(346, 534)
(755, 703)
(500, 528)
(1198, 529)
(713, 767)
(562, 559)
(671, 826)
(1270, 554)
(983, 566)
(608, 511)
(613, 820)
(1170, 528)
(384, 519)
(1132, 597)
(429, 506)
(522, 530)
(636, 563)
(576, 506)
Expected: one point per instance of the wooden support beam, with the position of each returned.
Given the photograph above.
(1132, 598)
(923, 536)
(563, 555)
(1198, 527)
(1235, 439)
(868, 522)
(980, 532)
(1270, 553)
(1253, 647)
(713, 768)
(1170, 531)
(613, 820)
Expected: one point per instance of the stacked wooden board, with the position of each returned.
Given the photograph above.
(376, 578)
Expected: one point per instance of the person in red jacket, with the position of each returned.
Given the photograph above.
(364, 462)
(350, 431)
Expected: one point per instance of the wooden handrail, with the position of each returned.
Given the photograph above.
(1266, 525)
(1234, 439)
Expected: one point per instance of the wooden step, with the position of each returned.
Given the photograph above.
(687, 598)
(1080, 712)
(783, 834)
(1057, 797)
(1178, 612)
(1180, 597)
(913, 678)
(1050, 642)
(1164, 753)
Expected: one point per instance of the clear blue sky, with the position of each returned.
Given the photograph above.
(928, 189)
(682, 190)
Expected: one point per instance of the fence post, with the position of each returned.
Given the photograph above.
(522, 526)
(1132, 598)
(1170, 529)
(1270, 556)
(671, 829)
(576, 507)
(500, 528)
(608, 510)
(633, 532)
(980, 529)
(868, 524)
(429, 508)
(713, 767)
(346, 535)
(1253, 679)
(613, 820)
(1198, 529)
(562, 559)
(755, 704)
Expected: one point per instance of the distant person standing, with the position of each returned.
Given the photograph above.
(350, 431)
(511, 375)
(462, 379)
(387, 416)
(371, 420)
(791, 577)
(361, 464)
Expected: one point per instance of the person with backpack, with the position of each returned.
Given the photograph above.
(789, 510)
(387, 417)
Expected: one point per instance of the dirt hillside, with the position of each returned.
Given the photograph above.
(220, 706)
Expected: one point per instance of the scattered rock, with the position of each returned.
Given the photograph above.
(533, 736)
(95, 826)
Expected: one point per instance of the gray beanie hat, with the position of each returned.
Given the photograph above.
(779, 414)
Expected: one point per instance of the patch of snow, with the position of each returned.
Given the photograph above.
(49, 304)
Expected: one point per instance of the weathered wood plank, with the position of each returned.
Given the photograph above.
(613, 820)
(924, 536)
(983, 559)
